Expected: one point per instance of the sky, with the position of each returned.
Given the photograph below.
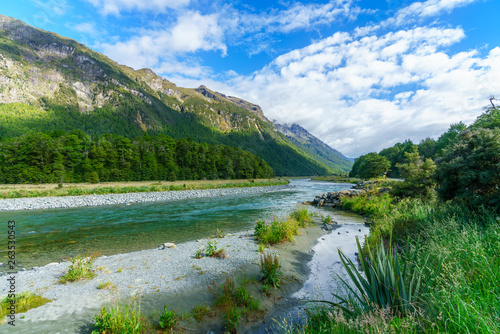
(361, 75)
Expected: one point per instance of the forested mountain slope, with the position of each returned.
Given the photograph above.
(48, 83)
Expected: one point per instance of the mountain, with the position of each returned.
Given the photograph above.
(50, 83)
(315, 147)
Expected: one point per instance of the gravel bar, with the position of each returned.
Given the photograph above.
(146, 272)
(37, 203)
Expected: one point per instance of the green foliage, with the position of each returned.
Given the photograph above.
(106, 286)
(470, 170)
(396, 155)
(121, 319)
(168, 319)
(369, 166)
(270, 268)
(93, 177)
(418, 177)
(277, 231)
(201, 311)
(489, 120)
(211, 248)
(228, 299)
(80, 268)
(302, 216)
(390, 281)
(323, 320)
(75, 157)
(372, 205)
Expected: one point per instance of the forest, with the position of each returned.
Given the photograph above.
(59, 157)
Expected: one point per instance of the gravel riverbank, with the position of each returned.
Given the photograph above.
(126, 198)
(152, 272)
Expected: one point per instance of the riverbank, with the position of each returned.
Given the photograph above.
(159, 277)
(78, 189)
(36, 203)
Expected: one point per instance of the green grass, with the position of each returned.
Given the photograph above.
(121, 319)
(233, 303)
(463, 296)
(106, 286)
(23, 302)
(80, 268)
(282, 230)
(202, 311)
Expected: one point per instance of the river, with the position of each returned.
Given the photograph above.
(51, 235)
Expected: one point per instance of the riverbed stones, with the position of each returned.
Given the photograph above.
(334, 199)
(35, 203)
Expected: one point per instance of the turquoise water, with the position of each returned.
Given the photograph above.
(44, 236)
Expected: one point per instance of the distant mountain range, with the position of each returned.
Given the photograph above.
(49, 83)
(314, 147)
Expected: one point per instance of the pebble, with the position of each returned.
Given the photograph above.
(36, 203)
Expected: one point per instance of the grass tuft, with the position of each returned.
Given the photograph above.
(80, 268)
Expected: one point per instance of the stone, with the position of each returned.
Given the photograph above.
(169, 245)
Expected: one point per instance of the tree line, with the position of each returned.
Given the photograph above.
(462, 164)
(74, 156)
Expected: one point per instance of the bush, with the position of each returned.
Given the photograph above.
(80, 268)
(269, 267)
(470, 170)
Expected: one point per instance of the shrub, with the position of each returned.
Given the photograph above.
(168, 319)
(269, 267)
(211, 248)
(470, 170)
(80, 268)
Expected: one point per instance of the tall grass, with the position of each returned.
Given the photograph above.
(282, 230)
(121, 319)
(458, 259)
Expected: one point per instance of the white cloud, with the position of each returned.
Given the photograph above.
(348, 91)
(115, 7)
(156, 48)
(415, 12)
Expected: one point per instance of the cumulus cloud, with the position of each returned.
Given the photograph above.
(361, 94)
(192, 32)
(115, 7)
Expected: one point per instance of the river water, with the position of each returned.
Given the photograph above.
(51, 235)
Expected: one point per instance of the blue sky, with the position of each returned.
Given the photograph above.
(360, 75)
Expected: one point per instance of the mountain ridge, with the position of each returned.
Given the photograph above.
(314, 146)
(49, 82)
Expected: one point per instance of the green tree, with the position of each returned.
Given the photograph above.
(370, 165)
(419, 177)
(470, 170)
